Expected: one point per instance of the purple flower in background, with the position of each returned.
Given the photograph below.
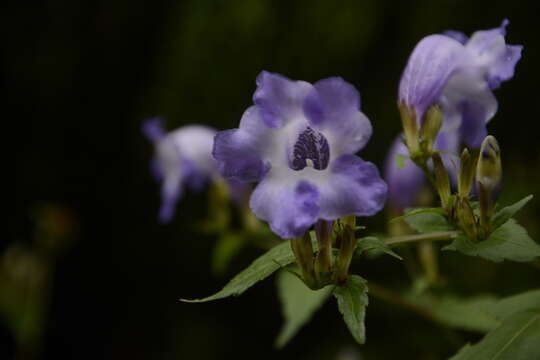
(298, 141)
(459, 74)
(183, 158)
(406, 183)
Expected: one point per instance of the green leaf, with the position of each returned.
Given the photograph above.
(225, 249)
(416, 211)
(372, 243)
(508, 242)
(510, 305)
(427, 222)
(462, 313)
(503, 215)
(401, 160)
(275, 258)
(352, 301)
(298, 304)
(517, 338)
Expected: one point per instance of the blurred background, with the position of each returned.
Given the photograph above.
(82, 75)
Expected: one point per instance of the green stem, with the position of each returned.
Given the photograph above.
(409, 239)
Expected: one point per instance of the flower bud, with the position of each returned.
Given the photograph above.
(431, 125)
(466, 173)
(441, 180)
(466, 218)
(489, 169)
(410, 128)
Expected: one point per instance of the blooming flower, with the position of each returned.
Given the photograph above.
(459, 74)
(298, 141)
(183, 158)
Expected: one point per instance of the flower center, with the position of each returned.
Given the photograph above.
(311, 149)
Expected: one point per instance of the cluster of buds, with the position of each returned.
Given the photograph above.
(329, 263)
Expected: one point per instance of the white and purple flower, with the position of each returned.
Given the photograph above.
(459, 74)
(298, 141)
(183, 159)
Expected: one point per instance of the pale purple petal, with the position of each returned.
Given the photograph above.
(171, 191)
(432, 62)
(489, 49)
(457, 35)
(333, 107)
(279, 99)
(290, 209)
(354, 188)
(405, 184)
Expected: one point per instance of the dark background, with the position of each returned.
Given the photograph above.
(81, 76)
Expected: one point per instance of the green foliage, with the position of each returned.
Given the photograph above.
(428, 220)
(352, 301)
(275, 258)
(509, 242)
(416, 211)
(517, 338)
(510, 305)
(503, 215)
(372, 243)
(298, 304)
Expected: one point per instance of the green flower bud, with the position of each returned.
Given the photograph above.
(466, 173)
(441, 180)
(410, 128)
(431, 125)
(489, 169)
(466, 218)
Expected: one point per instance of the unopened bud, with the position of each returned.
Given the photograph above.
(410, 127)
(489, 169)
(431, 125)
(466, 218)
(303, 252)
(466, 173)
(441, 180)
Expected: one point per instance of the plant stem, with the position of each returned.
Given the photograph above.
(408, 239)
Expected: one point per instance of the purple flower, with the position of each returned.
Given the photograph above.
(298, 141)
(460, 74)
(406, 183)
(183, 158)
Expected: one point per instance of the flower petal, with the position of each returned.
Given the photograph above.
(238, 151)
(289, 208)
(489, 49)
(430, 65)
(404, 184)
(333, 107)
(153, 129)
(354, 186)
(279, 98)
(171, 191)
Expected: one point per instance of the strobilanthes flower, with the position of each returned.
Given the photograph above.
(298, 141)
(459, 74)
(182, 159)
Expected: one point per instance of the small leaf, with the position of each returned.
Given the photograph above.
(427, 222)
(401, 160)
(372, 243)
(275, 258)
(506, 213)
(508, 242)
(352, 301)
(415, 211)
(516, 338)
(510, 305)
(298, 304)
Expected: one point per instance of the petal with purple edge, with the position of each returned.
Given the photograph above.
(354, 186)
(333, 106)
(404, 184)
(279, 98)
(171, 191)
(430, 65)
(290, 209)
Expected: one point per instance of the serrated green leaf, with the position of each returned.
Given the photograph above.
(275, 258)
(352, 300)
(415, 211)
(508, 242)
(517, 338)
(401, 160)
(372, 243)
(225, 249)
(516, 303)
(462, 313)
(507, 212)
(428, 222)
(298, 304)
